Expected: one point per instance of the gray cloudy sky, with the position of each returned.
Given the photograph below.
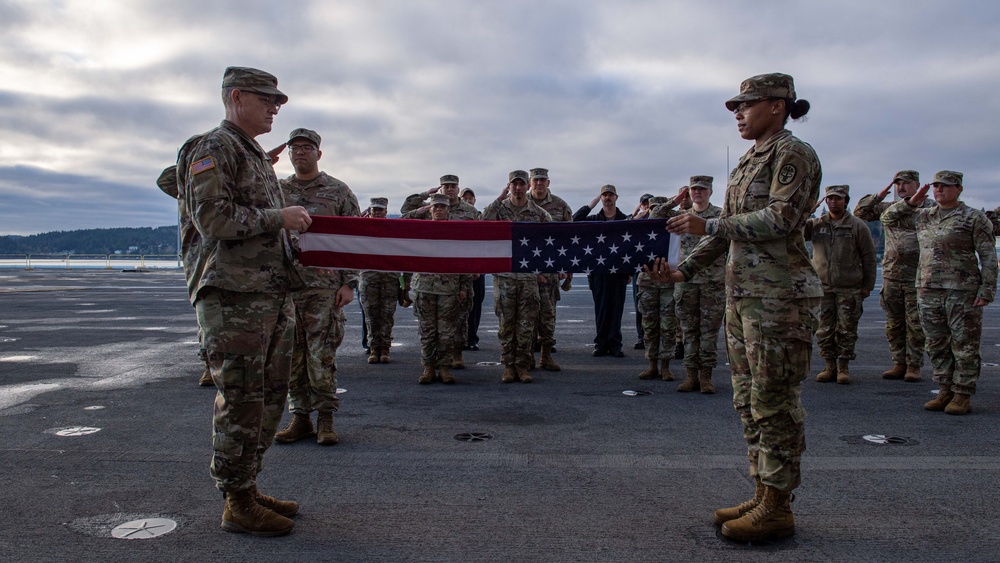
(96, 96)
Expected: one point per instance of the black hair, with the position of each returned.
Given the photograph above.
(795, 108)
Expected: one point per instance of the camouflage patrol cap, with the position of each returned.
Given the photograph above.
(518, 175)
(542, 173)
(842, 191)
(253, 80)
(608, 188)
(948, 178)
(449, 179)
(379, 203)
(700, 182)
(307, 134)
(645, 197)
(774, 85)
(466, 191)
(657, 200)
(907, 176)
(440, 199)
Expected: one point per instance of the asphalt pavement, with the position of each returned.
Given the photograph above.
(103, 425)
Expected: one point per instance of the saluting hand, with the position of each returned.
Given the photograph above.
(919, 197)
(275, 153)
(885, 191)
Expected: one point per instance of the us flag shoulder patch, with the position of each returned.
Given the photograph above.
(202, 165)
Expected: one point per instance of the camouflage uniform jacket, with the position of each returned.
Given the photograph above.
(661, 211)
(556, 206)
(234, 201)
(190, 238)
(770, 196)
(994, 217)
(458, 211)
(843, 251)
(899, 261)
(413, 202)
(504, 210)
(323, 195)
(716, 272)
(950, 240)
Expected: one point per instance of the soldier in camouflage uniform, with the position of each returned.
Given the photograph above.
(319, 304)
(167, 182)
(239, 282)
(379, 294)
(701, 300)
(548, 285)
(773, 296)
(438, 304)
(515, 296)
(478, 288)
(956, 278)
(656, 304)
(844, 258)
(458, 210)
(899, 271)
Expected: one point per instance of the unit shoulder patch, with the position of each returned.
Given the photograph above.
(787, 174)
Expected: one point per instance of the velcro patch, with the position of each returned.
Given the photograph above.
(202, 165)
(787, 174)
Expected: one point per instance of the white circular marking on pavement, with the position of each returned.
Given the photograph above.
(143, 529)
(93, 408)
(74, 431)
(17, 358)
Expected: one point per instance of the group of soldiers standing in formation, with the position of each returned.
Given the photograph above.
(270, 327)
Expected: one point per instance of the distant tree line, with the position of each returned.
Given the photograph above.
(123, 240)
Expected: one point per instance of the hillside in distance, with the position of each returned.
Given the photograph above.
(122, 240)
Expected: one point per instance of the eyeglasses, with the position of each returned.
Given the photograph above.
(742, 108)
(301, 148)
(269, 101)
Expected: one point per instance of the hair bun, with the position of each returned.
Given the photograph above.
(799, 108)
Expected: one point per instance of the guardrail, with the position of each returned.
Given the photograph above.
(102, 261)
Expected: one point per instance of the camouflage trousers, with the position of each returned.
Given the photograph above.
(461, 338)
(548, 296)
(839, 312)
(700, 307)
(249, 339)
(953, 328)
(319, 330)
(438, 318)
(659, 321)
(770, 345)
(516, 304)
(379, 293)
(902, 322)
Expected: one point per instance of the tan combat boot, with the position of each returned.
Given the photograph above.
(383, 355)
(705, 380)
(206, 378)
(522, 374)
(912, 374)
(895, 372)
(691, 383)
(829, 373)
(298, 427)
(508, 375)
(944, 397)
(723, 515)
(243, 515)
(446, 376)
(457, 362)
(546, 362)
(286, 508)
(771, 519)
(652, 371)
(960, 404)
(325, 434)
(427, 376)
(373, 355)
(843, 374)
(665, 373)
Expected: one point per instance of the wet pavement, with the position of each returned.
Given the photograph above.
(103, 425)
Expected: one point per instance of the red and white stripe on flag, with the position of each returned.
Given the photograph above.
(407, 245)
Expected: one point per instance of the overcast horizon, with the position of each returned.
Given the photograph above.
(96, 97)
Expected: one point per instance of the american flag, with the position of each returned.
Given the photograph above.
(485, 247)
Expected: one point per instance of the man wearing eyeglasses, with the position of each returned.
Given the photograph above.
(239, 285)
(319, 303)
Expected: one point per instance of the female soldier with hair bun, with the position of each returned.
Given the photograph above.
(773, 296)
